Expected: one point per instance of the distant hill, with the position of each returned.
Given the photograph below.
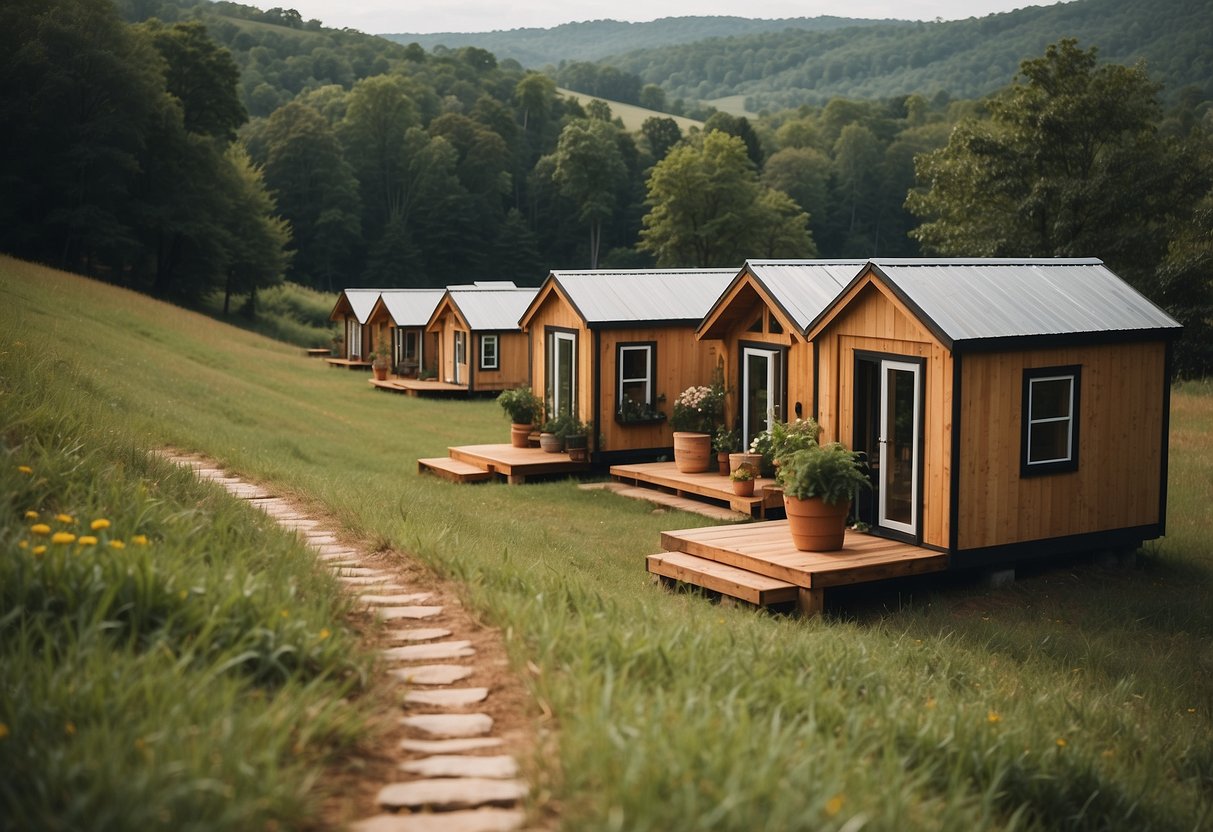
(632, 116)
(596, 39)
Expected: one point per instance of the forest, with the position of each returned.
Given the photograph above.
(187, 149)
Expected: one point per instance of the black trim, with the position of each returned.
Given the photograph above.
(641, 323)
(596, 383)
(816, 381)
(1168, 368)
(629, 456)
(954, 475)
(1064, 466)
(1069, 545)
(1016, 343)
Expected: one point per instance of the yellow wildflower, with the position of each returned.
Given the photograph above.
(62, 537)
(25, 469)
(117, 544)
(31, 515)
(87, 540)
(139, 540)
(40, 528)
(70, 728)
(834, 805)
(324, 633)
(284, 613)
(993, 717)
(38, 550)
(3, 730)
(24, 544)
(98, 525)
(65, 518)
(1061, 742)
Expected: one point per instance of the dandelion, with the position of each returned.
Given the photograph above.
(62, 537)
(40, 528)
(834, 805)
(24, 544)
(993, 717)
(117, 544)
(25, 469)
(86, 540)
(31, 515)
(284, 613)
(1061, 742)
(139, 540)
(3, 730)
(324, 633)
(183, 594)
(65, 518)
(930, 705)
(38, 550)
(99, 525)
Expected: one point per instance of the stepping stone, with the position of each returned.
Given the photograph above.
(448, 698)
(464, 793)
(450, 746)
(320, 540)
(248, 492)
(340, 554)
(362, 580)
(495, 768)
(430, 652)
(478, 820)
(383, 586)
(395, 613)
(395, 600)
(334, 549)
(432, 674)
(360, 572)
(418, 634)
(449, 726)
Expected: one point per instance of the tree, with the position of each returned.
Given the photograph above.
(740, 127)
(661, 134)
(588, 168)
(803, 174)
(535, 95)
(256, 252)
(707, 208)
(202, 75)
(1069, 164)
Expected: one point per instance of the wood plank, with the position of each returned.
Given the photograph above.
(718, 577)
(509, 461)
(661, 498)
(452, 469)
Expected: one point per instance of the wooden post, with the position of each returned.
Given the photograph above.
(810, 602)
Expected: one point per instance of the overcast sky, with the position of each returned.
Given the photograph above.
(423, 16)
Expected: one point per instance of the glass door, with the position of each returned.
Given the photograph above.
(562, 373)
(761, 383)
(900, 448)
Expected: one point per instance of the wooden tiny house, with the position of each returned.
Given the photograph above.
(615, 348)
(401, 316)
(1009, 408)
(352, 312)
(480, 345)
(762, 321)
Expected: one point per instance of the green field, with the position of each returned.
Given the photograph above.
(1081, 697)
(631, 115)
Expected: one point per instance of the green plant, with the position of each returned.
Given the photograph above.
(382, 353)
(560, 425)
(782, 439)
(830, 472)
(725, 440)
(521, 405)
(631, 410)
(742, 474)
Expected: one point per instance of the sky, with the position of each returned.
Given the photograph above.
(425, 16)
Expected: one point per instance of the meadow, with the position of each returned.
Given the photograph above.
(1080, 697)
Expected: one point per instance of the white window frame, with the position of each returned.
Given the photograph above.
(1068, 462)
(353, 338)
(647, 378)
(485, 364)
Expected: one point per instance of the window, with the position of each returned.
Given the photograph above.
(460, 347)
(1050, 420)
(353, 338)
(561, 386)
(412, 345)
(488, 352)
(635, 367)
(773, 325)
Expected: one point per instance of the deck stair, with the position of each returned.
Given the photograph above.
(476, 463)
(455, 470)
(711, 487)
(722, 578)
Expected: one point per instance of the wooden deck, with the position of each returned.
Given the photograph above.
(417, 387)
(317, 352)
(765, 550)
(514, 464)
(708, 486)
(667, 500)
(348, 363)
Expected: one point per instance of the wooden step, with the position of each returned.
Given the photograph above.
(722, 578)
(454, 470)
(661, 498)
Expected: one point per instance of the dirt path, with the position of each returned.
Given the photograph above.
(455, 758)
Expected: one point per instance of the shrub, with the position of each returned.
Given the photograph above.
(831, 472)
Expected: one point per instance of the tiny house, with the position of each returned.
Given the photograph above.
(353, 312)
(1008, 408)
(762, 320)
(401, 315)
(614, 348)
(479, 343)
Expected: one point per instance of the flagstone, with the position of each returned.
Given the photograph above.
(474, 820)
(430, 652)
(462, 793)
(502, 767)
(447, 698)
(432, 674)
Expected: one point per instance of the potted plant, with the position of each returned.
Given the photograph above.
(577, 440)
(697, 412)
(743, 482)
(782, 439)
(523, 408)
(723, 443)
(551, 435)
(380, 357)
(818, 483)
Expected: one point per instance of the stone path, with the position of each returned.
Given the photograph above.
(453, 776)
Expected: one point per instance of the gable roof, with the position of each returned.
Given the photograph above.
(984, 302)
(360, 302)
(488, 306)
(411, 307)
(801, 289)
(631, 296)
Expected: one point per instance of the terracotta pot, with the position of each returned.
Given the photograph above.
(743, 488)
(520, 435)
(380, 372)
(750, 461)
(579, 454)
(551, 443)
(692, 452)
(816, 526)
(722, 461)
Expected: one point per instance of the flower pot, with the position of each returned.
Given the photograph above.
(380, 371)
(815, 525)
(551, 443)
(722, 462)
(579, 454)
(577, 447)
(520, 435)
(743, 488)
(692, 452)
(750, 461)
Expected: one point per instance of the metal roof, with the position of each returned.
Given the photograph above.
(969, 300)
(491, 308)
(412, 307)
(804, 289)
(635, 296)
(361, 302)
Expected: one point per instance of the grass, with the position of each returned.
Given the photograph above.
(632, 115)
(1081, 697)
(286, 312)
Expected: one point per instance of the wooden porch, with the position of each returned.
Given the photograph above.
(476, 463)
(348, 363)
(757, 563)
(418, 387)
(709, 486)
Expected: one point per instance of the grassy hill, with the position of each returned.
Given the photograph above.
(1079, 697)
(632, 115)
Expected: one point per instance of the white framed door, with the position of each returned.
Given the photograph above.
(761, 385)
(562, 372)
(900, 448)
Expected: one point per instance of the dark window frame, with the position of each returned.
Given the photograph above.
(1028, 468)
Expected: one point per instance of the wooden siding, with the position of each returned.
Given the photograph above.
(512, 355)
(875, 321)
(556, 311)
(1117, 482)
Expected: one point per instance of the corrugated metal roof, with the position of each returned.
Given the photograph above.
(362, 301)
(412, 307)
(486, 308)
(968, 300)
(639, 295)
(804, 288)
